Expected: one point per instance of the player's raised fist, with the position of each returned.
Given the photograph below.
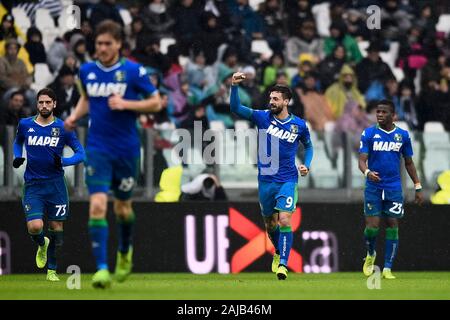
(237, 78)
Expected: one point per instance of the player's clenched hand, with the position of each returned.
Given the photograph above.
(17, 162)
(373, 176)
(70, 123)
(303, 170)
(419, 198)
(237, 78)
(116, 102)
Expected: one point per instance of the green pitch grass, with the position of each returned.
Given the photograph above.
(408, 285)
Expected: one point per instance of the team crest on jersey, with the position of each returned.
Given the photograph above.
(27, 207)
(294, 128)
(119, 76)
(55, 132)
(398, 137)
(369, 206)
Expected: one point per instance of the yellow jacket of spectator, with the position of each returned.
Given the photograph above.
(23, 53)
(336, 93)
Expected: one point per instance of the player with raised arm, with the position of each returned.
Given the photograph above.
(45, 190)
(381, 148)
(112, 90)
(277, 171)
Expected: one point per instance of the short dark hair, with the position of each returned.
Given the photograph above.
(15, 93)
(46, 92)
(285, 91)
(110, 27)
(388, 103)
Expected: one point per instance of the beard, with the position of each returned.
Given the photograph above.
(45, 113)
(275, 109)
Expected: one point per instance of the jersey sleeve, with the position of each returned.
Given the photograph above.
(80, 82)
(19, 140)
(79, 154)
(142, 82)
(305, 139)
(364, 143)
(407, 150)
(258, 117)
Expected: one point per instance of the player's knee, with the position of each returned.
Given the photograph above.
(97, 209)
(35, 226)
(123, 209)
(285, 222)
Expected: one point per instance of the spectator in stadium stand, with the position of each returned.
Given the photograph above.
(343, 90)
(412, 54)
(407, 107)
(427, 18)
(7, 28)
(274, 19)
(299, 10)
(156, 18)
(329, 68)
(66, 92)
(56, 54)
(434, 100)
(353, 121)
(250, 85)
(135, 33)
(372, 70)
(317, 110)
(186, 14)
(196, 70)
(218, 97)
(148, 52)
(173, 58)
(210, 38)
(204, 187)
(220, 9)
(14, 110)
(304, 41)
(104, 10)
(78, 47)
(244, 17)
(276, 64)
(338, 35)
(13, 72)
(88, 33)
(432, 70)
(35, 47)
(395, 20)
(357, 25)
(305, 65)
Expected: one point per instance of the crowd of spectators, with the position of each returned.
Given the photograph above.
(332, 79)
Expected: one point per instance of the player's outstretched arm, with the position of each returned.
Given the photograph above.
(412, 172)
(18, 147)
(79, 153)
(235, 103)
(81, 109)
(309, 152)
(151, 104)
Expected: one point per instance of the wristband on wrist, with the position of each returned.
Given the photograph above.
(366, 172)
(418, 187)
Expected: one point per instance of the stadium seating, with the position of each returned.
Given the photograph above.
(241, 125)
(2, 165)
(444, 23)
(363, 45)
(255, 4)
(42, 76)
(321, 14)
(21, 19)
(126, 16)
(391, 56)
(322, 173)
(261, 47)
(46, 24)
(165, 43)
(437, 148)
